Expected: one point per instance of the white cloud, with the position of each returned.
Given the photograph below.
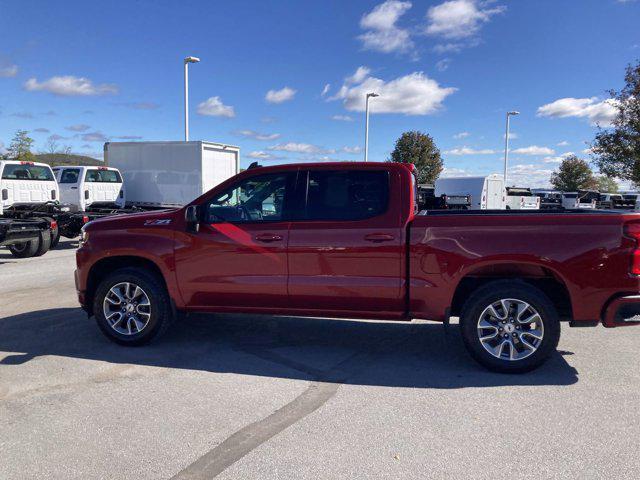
(587, 151)
(93, 137)
(459, 19)
(413, 94)
(360, 74)
(533, 150)
(460, 135)
(8, 71)
(2, 149)
(469, 151)
(557, 159)
(382, 34)
(68, 86)
(597, 112)
(279, 96)
(529, 175)
(326, 89)
(455, 172)
(262, 155)
(563, 143)
(293, 147)
(214, 107)
(256, 135)
(442, 65)
(78, 128)
(352, 150)
(342, 118)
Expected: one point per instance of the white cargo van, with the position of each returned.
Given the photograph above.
(90, 187)
(158, 174)
(26, 183)
(522, 199)
(487, 193)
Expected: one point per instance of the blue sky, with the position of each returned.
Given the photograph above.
(285, 80)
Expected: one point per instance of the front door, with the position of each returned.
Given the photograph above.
(238, 259)
(346, 247)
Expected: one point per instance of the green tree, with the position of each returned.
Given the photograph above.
(573, 174)
(607, 184)
(420, 149)
(20, 148)
(617, 150)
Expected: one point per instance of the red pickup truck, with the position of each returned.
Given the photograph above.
(347, 240)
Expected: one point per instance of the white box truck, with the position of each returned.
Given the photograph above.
(161, 174)
(487, 193)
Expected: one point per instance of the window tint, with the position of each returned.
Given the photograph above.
(255, 199)
(346, 195)
(70, 175)
(27, 172)
(102, 176)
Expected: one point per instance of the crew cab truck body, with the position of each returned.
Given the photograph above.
(92, 188)
(346, 240)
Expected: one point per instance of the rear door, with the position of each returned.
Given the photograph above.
(102, 185)
(346, 243)
(69, 182)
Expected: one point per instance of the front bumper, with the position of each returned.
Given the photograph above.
(622, 312)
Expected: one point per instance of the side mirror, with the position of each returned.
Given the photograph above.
(192, 218)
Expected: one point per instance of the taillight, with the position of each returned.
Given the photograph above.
(121, 194)
(53, 194)
(632, 230)
(5, 194)
(53, 225)
(85, 219)
(86, 194)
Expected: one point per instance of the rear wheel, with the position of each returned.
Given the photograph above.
(25, 249)
(132, 307)
(510, 326)
(44, 243)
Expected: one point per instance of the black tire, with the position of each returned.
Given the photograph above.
(161, 315)
(25, 249)
(44, 243)
(493, 292)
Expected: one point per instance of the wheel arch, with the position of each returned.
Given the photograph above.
(542, 277)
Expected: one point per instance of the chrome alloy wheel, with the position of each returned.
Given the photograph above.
(510, 329)
(127, 308)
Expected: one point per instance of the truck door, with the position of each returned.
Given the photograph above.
(69, 187)
(239, 256)
(346, 245)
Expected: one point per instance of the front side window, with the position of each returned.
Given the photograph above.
(70, 175)
(256, 199)
(25, 171)
(346, 195)
(103, 176)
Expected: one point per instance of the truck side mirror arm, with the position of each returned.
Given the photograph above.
(192, 218)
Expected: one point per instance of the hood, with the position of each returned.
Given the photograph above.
(155, 218)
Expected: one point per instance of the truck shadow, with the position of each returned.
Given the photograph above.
(344, 351)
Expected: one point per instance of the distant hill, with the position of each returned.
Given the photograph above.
(55, 159)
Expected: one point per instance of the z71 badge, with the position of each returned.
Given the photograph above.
(165, 221)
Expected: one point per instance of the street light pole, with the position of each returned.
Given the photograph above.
(506, 145)
(187, 61)
(366, 124)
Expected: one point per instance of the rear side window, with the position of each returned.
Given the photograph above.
(27, 172)
(70, 175)
(103, 176)
(346, 195)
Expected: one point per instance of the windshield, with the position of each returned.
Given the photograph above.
(103, 176)
(25, 171)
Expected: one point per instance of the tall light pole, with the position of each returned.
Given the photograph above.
(506, 145)
(187, 61)
(366, 124)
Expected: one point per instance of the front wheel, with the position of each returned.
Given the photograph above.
(509, 326)
(132, 307)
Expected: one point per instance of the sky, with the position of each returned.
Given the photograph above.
(286, 80)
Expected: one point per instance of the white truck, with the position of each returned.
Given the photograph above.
(161, 174)
(583, 199)
(487, 193)
(86, 188)
(28, 199)
(522, 199)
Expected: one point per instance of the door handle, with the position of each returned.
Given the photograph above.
(268, 237)
(74, 188)
(378, 237)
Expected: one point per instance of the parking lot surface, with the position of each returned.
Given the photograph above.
(244, 397)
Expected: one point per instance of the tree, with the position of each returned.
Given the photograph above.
(573, 174)
(607, 184)
(20, 148)
(420, 149)
(617, 150)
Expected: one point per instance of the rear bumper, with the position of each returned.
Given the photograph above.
(622, 312)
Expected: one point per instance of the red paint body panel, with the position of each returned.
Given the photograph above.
(361, 269)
